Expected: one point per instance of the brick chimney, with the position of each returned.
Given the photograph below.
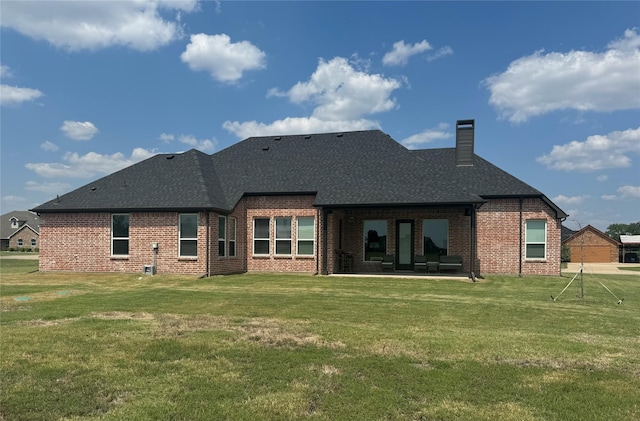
(464, 142)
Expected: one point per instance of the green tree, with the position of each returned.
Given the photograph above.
(615, 230)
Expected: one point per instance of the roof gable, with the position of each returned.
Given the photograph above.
(24, 219)
(362, 168)
(589, 228)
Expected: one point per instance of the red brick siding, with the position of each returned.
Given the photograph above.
(580, 244)
(498, 237)
(26, 235)
(280, 206)
(82, 242)
(353, 236)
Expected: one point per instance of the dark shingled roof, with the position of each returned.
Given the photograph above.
(360, 168)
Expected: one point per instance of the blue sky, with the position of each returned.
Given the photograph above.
(91, 87)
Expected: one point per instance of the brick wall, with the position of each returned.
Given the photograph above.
(346, 233)
(501, 237)
(26, 235)
(280, 206)
(81, 242)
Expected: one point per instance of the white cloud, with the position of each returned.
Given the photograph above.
(629, 192)
(91, 25)
(342, 96)
(226, 61)
(442, 52)
(341, 92)
(204, 145)
(14, 95)
(5, 71)
(48, 187)
(88, 165)
(401, 52)
(570, 200)
(13, 200)
(624, 192)
(49, 146)
(579, 80)
(79, 130)
(602, 177)
(166, 137)
(297, 125)
(596, 153)
(427, 136)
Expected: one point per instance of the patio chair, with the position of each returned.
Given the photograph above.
(420, 263)
(388, 262)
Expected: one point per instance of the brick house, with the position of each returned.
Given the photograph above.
(593, 246)
(305, 203)
(19, 230)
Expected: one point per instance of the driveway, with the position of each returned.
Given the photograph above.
(608, 268)
(21, 256)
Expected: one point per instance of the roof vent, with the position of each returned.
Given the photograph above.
(171, 156)
(340, 135)
(308, 136)
(277, 138)
(266, 148)
(464, 142)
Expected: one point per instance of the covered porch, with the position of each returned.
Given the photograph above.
(423, 241)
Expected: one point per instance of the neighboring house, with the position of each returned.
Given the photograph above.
(590, 245)
(630, 252)
(300, 204)
(19, 229)
(566, 233)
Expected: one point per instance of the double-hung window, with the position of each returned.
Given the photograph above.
(536, 239)
(188, 235)
(306, 235)
(120, 234)
(232, 237)
(222, 235)
(283, 236)
(261, 242)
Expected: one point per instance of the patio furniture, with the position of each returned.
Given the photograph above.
(388, 262)
(420, 263)
(433, 263)
(450, 263)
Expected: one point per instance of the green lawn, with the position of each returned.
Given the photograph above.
(280, 347)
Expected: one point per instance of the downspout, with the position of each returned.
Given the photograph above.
(207, 262)
(520, 242)
(473, 242)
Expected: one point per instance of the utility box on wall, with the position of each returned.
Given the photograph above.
(149, 270)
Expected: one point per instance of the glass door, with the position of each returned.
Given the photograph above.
(404, 244)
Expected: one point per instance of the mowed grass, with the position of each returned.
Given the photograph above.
(286, 347)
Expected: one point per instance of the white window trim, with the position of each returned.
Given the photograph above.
(120, 238)
(181, 238)
(298, 239)
(261, 238)
(222, 239)
(276, 238)
(526, 242)
(233, 221)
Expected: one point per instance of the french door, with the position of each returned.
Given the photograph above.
(404, 244)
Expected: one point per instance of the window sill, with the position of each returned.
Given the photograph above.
(305, 256)
(283, 256)
(120, 257)
(535, 260)
(187, 258)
